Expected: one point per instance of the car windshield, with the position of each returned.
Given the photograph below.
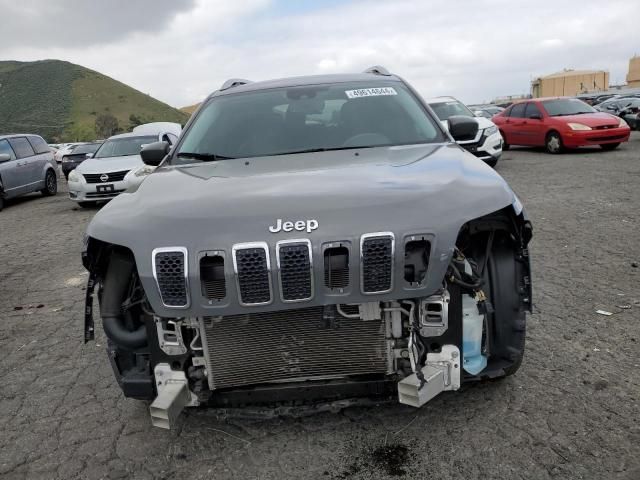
(444, 110)
(89, 148)
(566, 106)
(121, 147)
(311, 118)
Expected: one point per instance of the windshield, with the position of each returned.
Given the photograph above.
(90, 148)
(120, 147)
(444, 110)
(307, 118)
(566, 106)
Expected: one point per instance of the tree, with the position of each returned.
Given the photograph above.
(81, 133)
(135, 120)
(106, 125)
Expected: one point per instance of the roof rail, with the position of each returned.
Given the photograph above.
(378, 70)
(234, 82)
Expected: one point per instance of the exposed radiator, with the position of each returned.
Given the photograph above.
(291, 345)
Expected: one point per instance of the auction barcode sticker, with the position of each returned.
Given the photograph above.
(370, 92)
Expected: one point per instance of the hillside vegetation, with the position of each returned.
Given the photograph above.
(61, 101)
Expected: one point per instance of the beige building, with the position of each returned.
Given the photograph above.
(633, 77)
(570, 83)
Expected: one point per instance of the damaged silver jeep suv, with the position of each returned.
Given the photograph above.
(307, 241)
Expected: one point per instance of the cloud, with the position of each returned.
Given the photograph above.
(474, 50)
(78, 24)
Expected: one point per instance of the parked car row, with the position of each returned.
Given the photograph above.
(116, 164)
(94, 171)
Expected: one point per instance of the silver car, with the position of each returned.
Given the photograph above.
(26, 165)
(115, 167)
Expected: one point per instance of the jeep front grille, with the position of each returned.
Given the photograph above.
(212, 279)
(253, 273)
(291, 345)
(295, 270)
(336, 267)
(376, 274)
(170, 273)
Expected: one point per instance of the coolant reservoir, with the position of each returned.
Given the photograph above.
(473, 359)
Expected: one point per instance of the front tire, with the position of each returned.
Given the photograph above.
(50, 184)
(553, 143)
(607, 147)
(505, 145)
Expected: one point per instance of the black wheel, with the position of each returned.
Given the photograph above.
(87, 204)
(609, 146)
(553, 143)
(1, 197)
(505, 145)
(50, 184)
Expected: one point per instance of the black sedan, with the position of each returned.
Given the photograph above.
(77, 156)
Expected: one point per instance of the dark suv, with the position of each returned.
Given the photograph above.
(311, 239)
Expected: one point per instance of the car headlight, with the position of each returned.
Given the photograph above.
(74, 176)
(490, 131)
(578, 126)
(622, 123)
(144, 171)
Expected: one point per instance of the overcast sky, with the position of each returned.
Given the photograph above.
(181, 50)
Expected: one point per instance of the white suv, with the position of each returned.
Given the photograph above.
(487, 144)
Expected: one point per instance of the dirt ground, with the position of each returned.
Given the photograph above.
(571, 412)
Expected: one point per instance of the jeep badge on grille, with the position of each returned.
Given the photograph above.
(299, 225)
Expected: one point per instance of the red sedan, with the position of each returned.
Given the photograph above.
(559, 123)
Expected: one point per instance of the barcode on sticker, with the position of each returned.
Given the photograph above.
(370, 92)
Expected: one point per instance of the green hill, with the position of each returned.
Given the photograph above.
(61, 101)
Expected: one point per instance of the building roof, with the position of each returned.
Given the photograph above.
(572, 73)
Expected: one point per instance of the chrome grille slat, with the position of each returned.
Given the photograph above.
(292, 344)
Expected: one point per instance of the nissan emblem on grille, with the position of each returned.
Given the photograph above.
(104, 177)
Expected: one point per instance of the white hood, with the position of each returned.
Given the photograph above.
(110, 164)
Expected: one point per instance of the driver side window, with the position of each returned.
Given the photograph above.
(532, 109)
(5, 148)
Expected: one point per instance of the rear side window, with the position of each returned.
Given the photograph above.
(532, 109)
(5, 148)
(39, 145)
(518, 110)
(22, 147)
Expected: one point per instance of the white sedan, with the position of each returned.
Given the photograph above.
(114, 168)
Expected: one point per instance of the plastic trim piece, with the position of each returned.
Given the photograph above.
(303, 241)
(242, 246)
(184, 252)
(365, 237)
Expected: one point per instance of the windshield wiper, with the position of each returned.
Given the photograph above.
(206, 157)
(323, 149)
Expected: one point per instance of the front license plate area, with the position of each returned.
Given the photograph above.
(105, 188)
